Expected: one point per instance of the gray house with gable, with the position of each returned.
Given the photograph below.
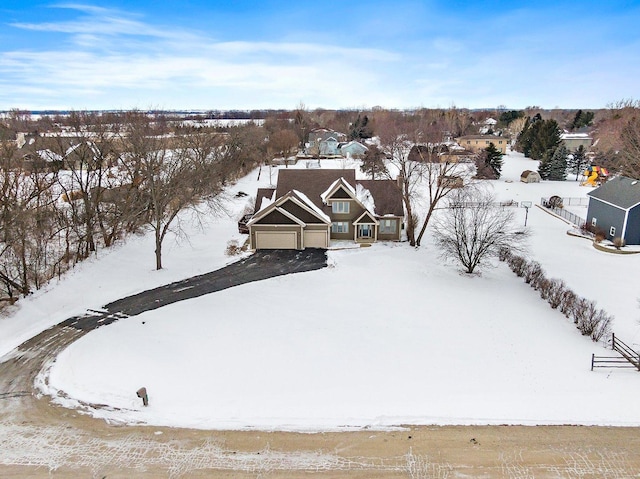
(614, 207)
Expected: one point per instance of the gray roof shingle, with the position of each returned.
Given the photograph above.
(314, 182)
(621, 191)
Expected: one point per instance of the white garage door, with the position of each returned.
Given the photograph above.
(276, 239)
(316, 239)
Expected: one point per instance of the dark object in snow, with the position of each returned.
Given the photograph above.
(242, 224)
(554, 202)
(142, 393)
(240, 194)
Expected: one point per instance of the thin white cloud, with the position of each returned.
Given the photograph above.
(107, 58)
(102, 21)
(116, 56)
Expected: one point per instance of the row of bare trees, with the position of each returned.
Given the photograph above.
(103, 178)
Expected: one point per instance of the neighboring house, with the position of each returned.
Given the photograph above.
(324, 142)
(529, 176)
(573, 140)
(476, 143)
(352, 149)
(430, 153)
(311, 207)
(488, 126)
(614, 207)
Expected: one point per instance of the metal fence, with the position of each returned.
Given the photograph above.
(567, 215)
(582, 201)
(476, 204)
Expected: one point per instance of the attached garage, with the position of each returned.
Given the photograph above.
(276, 240)
(291, 222)
(316, 238)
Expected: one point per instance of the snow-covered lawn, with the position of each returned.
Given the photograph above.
(386, 335)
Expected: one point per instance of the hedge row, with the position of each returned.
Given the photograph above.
(589, 320)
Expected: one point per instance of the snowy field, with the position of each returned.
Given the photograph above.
(385, 336)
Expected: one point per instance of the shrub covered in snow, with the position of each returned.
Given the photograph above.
(590, 321)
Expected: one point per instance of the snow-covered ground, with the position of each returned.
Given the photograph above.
(386, 335)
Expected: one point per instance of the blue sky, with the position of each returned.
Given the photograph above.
(197, 54)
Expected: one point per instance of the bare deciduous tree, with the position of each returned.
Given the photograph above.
(412, 144)
(397, 137)
(282, 143)
(630, 136)
(437, 177)
(476, 229)
(178, 174)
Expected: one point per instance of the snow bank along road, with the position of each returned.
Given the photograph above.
(38, 439)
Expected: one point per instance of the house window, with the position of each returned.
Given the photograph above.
(340, 207)
(594, 220)
(340, 227)
(387, 226)
(612, 231)
(364, 231)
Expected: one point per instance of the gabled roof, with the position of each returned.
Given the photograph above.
(311, 182)
(299, 199)
(353, 143)
(311, 206)
(338, 184)
(620, 191)
(365, 218)
(388, 199)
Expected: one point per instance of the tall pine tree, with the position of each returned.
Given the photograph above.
(553, 165)
(546, 139)
(493, 158)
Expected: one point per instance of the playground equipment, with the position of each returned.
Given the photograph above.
(594, 176)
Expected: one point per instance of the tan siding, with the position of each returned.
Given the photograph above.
(255, 228)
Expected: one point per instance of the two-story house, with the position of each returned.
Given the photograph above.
(476, 143)
(324, 142)
(309, 208)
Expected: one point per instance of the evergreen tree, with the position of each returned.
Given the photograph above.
(553, 165)
(493, 158)
(576, 120)
(577, 161)
(507, 117)
(360, 129)
(545, 139)
(528, 134)
(582, 118)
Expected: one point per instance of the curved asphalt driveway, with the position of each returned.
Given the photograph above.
(261, 265)
(19, 368)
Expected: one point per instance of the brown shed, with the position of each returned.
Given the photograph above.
(529, 176)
